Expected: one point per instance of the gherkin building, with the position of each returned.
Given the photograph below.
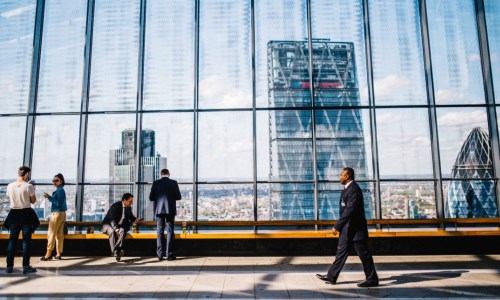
(471, 193)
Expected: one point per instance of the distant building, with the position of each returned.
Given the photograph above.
(339, 132)
(472, 194)
(122, 165)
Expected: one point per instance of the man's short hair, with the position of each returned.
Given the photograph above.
(127, 196)
(164, 172)
(23, 171)
(350, 172)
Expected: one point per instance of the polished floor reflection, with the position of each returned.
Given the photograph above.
(459, 276)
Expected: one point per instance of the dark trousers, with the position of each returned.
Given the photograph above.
(165, 246)
(11, 247)
(364, 254)
(115, 238)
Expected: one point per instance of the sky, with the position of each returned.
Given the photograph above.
(225, 80)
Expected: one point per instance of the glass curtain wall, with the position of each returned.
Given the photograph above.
(254, 106)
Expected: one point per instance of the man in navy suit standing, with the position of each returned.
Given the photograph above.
(164, 194)
(353, 231)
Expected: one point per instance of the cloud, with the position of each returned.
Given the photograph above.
(17, 11)
(449, 96)
(389, 118)
(494, 57)
(42, 132)
(469, 119)
(391, 85)
(221, 95)
(474, 57)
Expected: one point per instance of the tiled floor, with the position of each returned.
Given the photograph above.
(464, 276)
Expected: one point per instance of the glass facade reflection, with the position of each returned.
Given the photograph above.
(255, 105)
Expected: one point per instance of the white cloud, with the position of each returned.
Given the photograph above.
(42, 131)
(474, 57)
(470, 119)
(216, 89)
(391, 84)
(17, 11)
(444, 96)
(389, 118)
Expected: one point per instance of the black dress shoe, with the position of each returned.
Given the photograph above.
(28, 270)
(170, 258)
(368, 284)
(326, 279)
(43, 258)
(160, 258)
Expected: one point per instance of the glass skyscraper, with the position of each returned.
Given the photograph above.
(122, 162)
(340, 139)
(472, 195)
(257, 104)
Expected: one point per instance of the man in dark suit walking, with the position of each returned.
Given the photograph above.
(117, 223)
(353, 231)
(164, 194)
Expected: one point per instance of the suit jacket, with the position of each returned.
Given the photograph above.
(23, 216)
(114, 216)
(352, 222)
(164, 193)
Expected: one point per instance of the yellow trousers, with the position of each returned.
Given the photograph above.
(56, 233)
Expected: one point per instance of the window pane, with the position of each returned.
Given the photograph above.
(110, 148)
(97, 199)
(461, 130)
(61, 65)
(290, 142)
(398, 67)
(11, 153)
(115, 46)
(329, 197)
(455, 52)
(263, 145)
(339, 21)
(17, 25)
(225, 54)
(285, 201)
(42, 206)
(408, 200)
(343, 140)
(470, 198)
(55, 148)
(172, 140)
(225, 146)
(492, 9)
(11, 156)
(184, 206)
(169, 55)
(279, 20)
(225, 202)
(404, 145)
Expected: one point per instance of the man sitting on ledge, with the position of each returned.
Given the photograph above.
(117, 223)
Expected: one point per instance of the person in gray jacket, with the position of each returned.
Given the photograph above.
(164, 194)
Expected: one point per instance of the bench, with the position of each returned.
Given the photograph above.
(314, 229)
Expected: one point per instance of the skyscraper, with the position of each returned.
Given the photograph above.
(339, 132)
(472, 195)
(122, 163)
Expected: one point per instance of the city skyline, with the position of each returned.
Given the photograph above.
(199, 79)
